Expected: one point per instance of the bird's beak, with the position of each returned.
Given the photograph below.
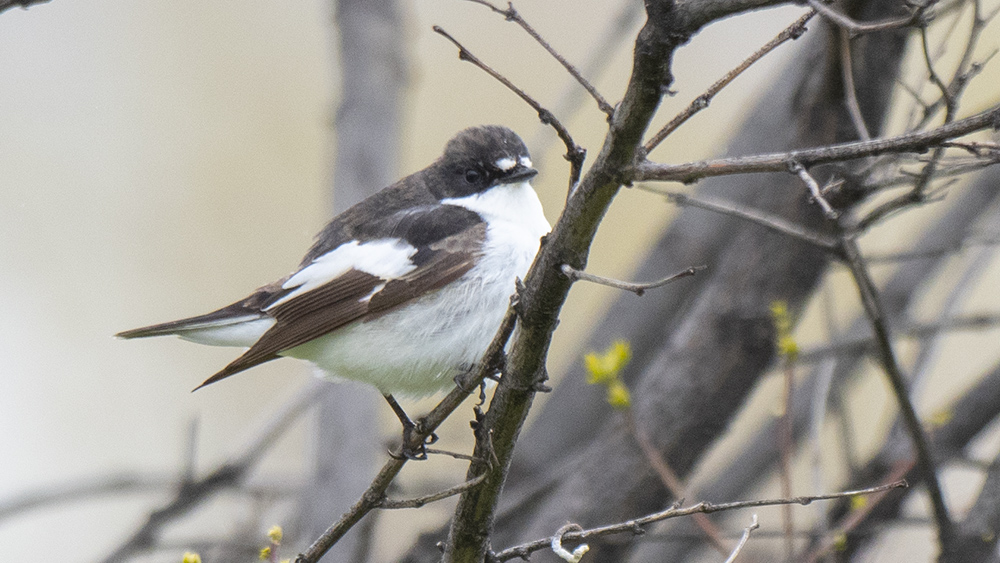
(519, 173)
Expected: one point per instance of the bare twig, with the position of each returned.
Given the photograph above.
(757, 216)
(883, 340)
(421, 501)
(794, 31)
(574, 153)
(815, 193)
(778, 162)
(636, 288)
(635, 526)
(743, 540)
(909, 199)
(510, 14)
(598, 60)
(853, 519)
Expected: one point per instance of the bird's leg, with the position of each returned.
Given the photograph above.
(419, 453)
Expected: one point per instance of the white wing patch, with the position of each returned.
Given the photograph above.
(385, 258)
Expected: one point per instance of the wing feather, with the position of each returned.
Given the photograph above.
(357, 295)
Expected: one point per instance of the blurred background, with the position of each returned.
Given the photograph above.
(159, 160)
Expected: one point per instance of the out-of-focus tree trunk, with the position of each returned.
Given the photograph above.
(346, 440)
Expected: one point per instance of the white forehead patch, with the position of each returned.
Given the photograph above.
(506, 163)
(525, 162)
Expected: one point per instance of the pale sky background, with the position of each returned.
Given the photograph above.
(162, 159)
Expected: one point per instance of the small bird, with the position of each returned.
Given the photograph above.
(404, 290)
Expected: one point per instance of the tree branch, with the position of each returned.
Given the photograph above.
(636, 288)
(635, 526)
(778, 162)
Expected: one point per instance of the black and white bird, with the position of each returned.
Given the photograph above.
(403, 290)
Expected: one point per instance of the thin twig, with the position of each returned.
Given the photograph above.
(815, 193)
(743, 540)
(757, 216)
(510, 14)
(636, 288)
(421, 501)
(856, 28)
(883, 341)
(909, 199)
(793, 31)
(616, 32)
(574, 153)
(375, 493)
(635, 526)
(853, 518)
(778, 162)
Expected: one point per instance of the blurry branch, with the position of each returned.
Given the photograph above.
(850, 90)
(959, 246)
(374, 496)
(635, 526)
(8, 4)
(83, 489)
(671, 480)
(779, 162)
(964, 419)
(511, 15)
(855, 28)
(636, 288)
(976, 539)
(229, 474)
(574, 154)
(121, 484)
(762, 218)
(883, 340)
(794, 31)
(857, 346)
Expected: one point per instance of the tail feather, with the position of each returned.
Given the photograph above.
(236, 366)
(242, 311)
(210, 320)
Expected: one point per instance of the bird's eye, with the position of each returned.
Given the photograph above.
(472, 176)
